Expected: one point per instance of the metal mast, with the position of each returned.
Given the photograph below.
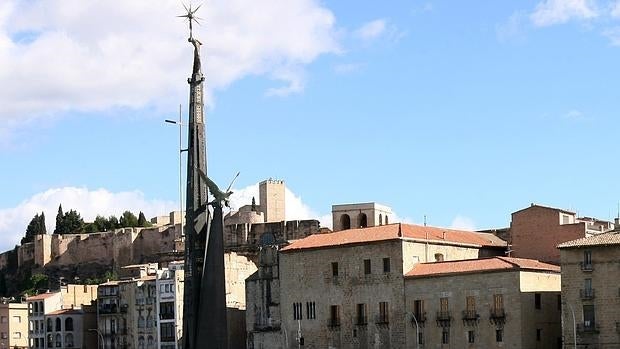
(204, 312)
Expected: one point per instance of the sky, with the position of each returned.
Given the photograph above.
(460, 112)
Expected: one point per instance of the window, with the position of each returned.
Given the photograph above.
(69, 340)
(69, 324)
(380, 219)
(445, 335)
(149, 321)
(310, 310)
(17, 335)
(499, 335)
(587, 284)
(386, 219)
(498, 304)
(58, 324)
(538, 334)
(334, 315)
(150, 342)
(3, 335)
(537, 302)
(367, 268)
(443, 305)
(17, 319)
(438, 257)
(166, 310)
(345, 222)
(471, 304)
(418, 310)
(421, 338)
(334, 268)
(471, 337)
(587, 260)
(384, 313)
(50, 326)
(386, 265)
(58, 340)
(361, 318)
(588, 316)
(167, 332)
(141, 342)
(565, 219)
(297, 315)
(362, 220)
(141, 322)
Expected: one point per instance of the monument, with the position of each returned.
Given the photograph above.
(204, 309)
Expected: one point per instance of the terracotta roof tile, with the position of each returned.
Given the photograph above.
(604, 239)
(479, 266)
(66, 311)
(41, 296)
(397, 231)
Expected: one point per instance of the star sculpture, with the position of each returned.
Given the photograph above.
(191, 17)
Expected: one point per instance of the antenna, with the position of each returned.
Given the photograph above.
(424, 220)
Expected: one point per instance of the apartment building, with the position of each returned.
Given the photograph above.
(325, 280)
(169, 286)
(496, 302)
(13, 325)
(38, 306)
(590, 291)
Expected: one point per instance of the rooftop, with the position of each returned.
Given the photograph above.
(41, 296)
(66, 312)
(604, 239)
(545, 207)
(468, 266)
(397, 231)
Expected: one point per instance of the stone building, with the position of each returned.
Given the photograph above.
(496, 302)
(65, 328)
(13, 325)
(293, 304)
(38, 307)
(169, 285)
(590, 291)
(111, 316)
(362, 215)
(535, 231)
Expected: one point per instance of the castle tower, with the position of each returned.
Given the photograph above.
(351, 216)
(272, 203)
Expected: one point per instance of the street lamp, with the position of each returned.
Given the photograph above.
(181, 150)
(417, 331)
(574, 322)
(98, 337)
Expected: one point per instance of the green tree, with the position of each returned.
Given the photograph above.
(112, 223)
(90, 228)
(35, 227)
(73, 222)
(142, 222)
(60, 226)
(128, 219)
(101, 223)
(34, 283)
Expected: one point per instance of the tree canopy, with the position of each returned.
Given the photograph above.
(35, 227)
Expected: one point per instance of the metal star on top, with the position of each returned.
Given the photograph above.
(191, 16)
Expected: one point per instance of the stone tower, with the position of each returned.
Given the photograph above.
(351, 216)
(272, 203)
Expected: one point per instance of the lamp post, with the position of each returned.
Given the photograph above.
(574, 322)
(181, 150)
(417, 331)
(100, 336)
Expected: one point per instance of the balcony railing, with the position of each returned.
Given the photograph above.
(444, 318)
(586, 293)
(333, 322)
(382, 319)
(497, 316)
(470, 317)
(586, 266)
(588, 327)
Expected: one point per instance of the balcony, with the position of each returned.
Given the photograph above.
(361, 321)
(497, 316)
(382, 319)
(333, 323)
(444, 318)
(470, 317)
(588, 327)
(108, 309)
(586, 294)
(586, 266)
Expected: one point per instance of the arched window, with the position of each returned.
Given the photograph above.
(141, 323)
(345, 222)
(69, 340)
(150, 344)
(386, 220)
(149, 321)
(141, 342)
(69, 324)
(362, 220)
(380, 219)
(58, 340)
(50, 326)
(438, 257)
(50, 340)
(36, 307)
(58, 324)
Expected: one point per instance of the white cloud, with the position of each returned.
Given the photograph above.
(615, 9)
(549, 12)
(92, 55)
(613, 34)
(296, 209)
(463, 223)
(371, 30)
(88, 203)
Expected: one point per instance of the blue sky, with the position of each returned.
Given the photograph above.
(463, 112)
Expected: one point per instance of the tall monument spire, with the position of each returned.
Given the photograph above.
(204, 308)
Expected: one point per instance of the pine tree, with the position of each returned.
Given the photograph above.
(142, 220)
(101, 223)
(128, 219)
(60, 226)
(112, 223)
(73, 222)
(35, 227)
